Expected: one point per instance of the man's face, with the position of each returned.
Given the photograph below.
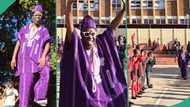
(89, 37)
(36, 18)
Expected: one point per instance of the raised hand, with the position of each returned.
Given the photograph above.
(69, 18)
(124, 3)
(118, 19)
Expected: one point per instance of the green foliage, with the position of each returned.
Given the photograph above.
(26, 4)
(54, 57)
(49, 11)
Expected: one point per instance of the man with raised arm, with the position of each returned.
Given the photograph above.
(92, 74)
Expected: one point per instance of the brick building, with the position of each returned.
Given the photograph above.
(103, 11)
(159, 11)
(165, 20)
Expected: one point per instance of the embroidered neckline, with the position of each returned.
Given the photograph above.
(32, 34)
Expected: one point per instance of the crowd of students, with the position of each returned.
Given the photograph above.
(140, 66)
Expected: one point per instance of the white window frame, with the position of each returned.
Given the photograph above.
(136, 18)
(160, 5)
(136, 6)
(160, 18)
(180, 21)
(105, 19)
(81, 5)
(148, 18)
(60, 19)
(146, 4)
(95, 5)
(115, 4)
(185, 20)
(172, 18)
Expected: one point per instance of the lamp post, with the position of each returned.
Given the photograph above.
(149, 28)
(187, 22)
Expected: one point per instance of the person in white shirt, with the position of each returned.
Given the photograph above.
(11, 95)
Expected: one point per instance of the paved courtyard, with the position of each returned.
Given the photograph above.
(168, 89)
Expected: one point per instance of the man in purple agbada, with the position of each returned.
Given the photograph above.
(91, 71)
(31, 55)
(183, 59)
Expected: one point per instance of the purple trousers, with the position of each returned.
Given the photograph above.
(27, 86)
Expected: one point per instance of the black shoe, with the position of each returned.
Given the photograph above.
(140, 92)
(150, 86)
(133, 97)
(131, 103)
(143, 88)
(138, 96)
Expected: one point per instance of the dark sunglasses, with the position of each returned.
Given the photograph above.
(88, 34)
(37, 15)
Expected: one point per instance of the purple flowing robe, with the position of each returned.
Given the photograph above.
(76, 76)
(29, 54)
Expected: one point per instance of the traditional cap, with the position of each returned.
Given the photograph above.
(88, 22)
(37, 7)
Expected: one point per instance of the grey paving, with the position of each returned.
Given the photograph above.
(168, 89)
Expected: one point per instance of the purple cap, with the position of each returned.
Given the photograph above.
(87, 22)
(38, 8)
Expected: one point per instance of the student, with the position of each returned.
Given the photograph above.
(139, 70)
(135, 66)
(130, 65)
(150, 62)
(130, 69)
(31, 56)
(143, 68)
(92, 74)
(11, 95)
(183, 59)
(121, 47)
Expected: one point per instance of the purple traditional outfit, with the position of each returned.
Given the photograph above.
(32, 44)
(82, 86)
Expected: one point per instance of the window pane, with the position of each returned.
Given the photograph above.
(174, 21)
(163, 21)
(158, 21)
(135, 4)
(170, 21)
(182, 21)
(159, 4)
(151, 21)
(134, 21)
(145, 21)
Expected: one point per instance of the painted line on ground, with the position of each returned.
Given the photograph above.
(167, 66)
(159, 98)
(168, 75)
